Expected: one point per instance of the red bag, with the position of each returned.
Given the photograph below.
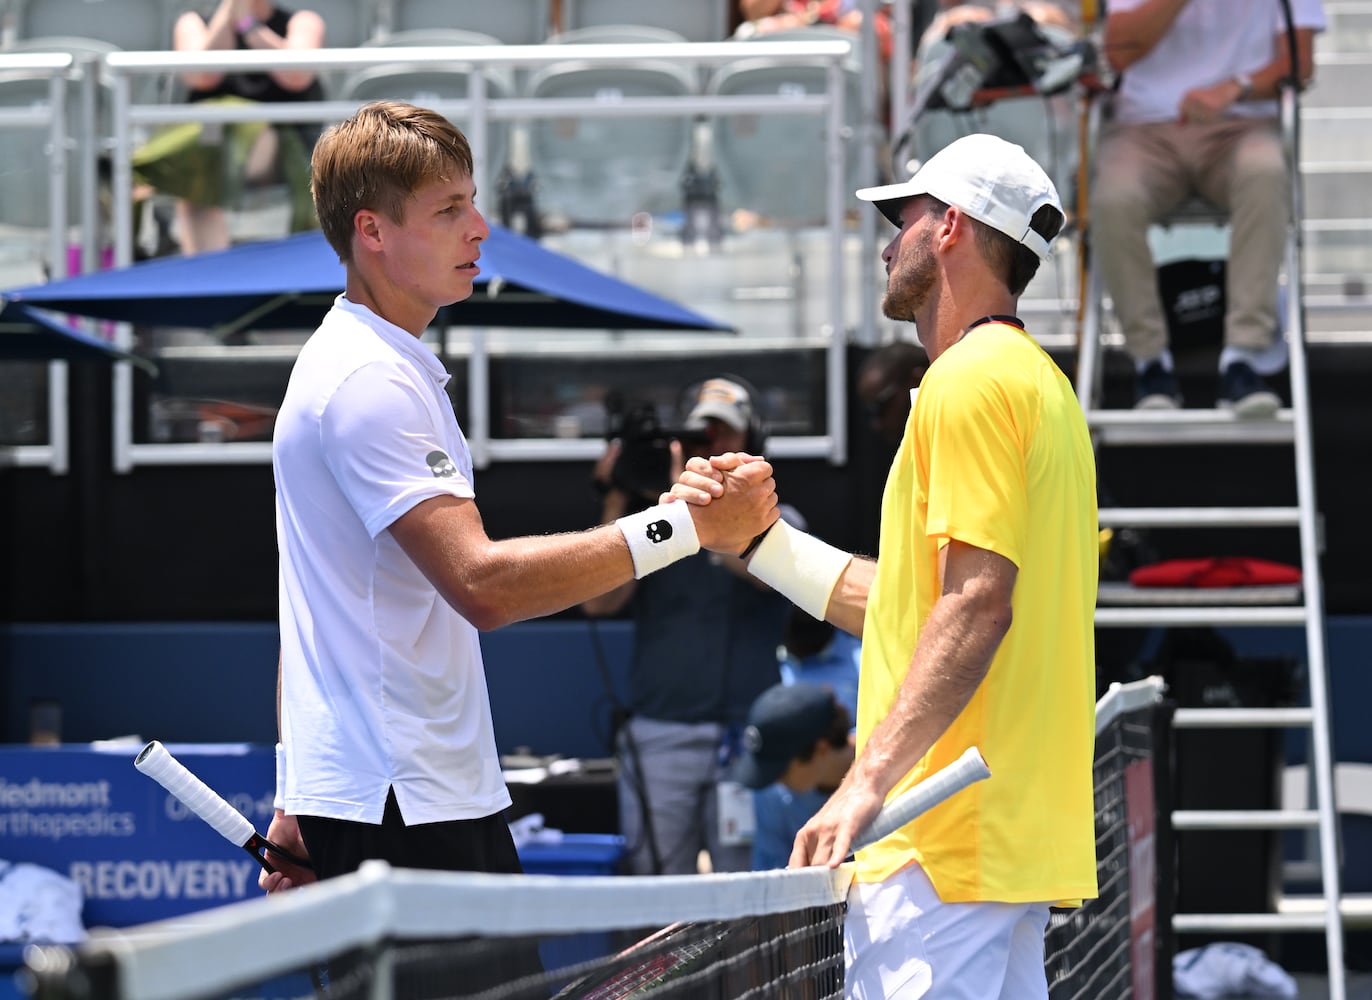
(1218, 571)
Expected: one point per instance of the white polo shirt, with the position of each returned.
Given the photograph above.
(382, 681)
(1210, 41)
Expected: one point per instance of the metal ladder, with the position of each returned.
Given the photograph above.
(1199, 427)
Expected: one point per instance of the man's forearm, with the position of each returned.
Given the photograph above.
(953, 657)
(1268, 80)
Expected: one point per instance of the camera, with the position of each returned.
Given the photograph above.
(644, 467)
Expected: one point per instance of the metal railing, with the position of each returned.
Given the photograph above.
(479, 110)
(50, 117)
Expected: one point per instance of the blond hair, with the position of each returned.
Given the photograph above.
(376, 160)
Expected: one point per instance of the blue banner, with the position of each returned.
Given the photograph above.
(135, 851)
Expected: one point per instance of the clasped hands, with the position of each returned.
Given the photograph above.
(733, 499)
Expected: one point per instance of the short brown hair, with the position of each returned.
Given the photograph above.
(376, 159)
(1010, 260)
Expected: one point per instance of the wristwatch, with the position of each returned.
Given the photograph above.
(245, 24)
(1245, 83)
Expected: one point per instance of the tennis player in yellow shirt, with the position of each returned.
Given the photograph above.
(977, 619)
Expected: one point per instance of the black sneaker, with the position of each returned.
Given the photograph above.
(1156, 388)
(1246, 393)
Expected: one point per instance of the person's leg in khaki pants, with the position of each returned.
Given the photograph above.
(1140, 178)
(1243, 170)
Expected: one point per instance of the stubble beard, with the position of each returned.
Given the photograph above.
(910, 283)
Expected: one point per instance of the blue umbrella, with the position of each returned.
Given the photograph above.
(290, 283)
(36, 336)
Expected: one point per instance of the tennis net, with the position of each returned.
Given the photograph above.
(1116, 945)
(390, 933)
(385, 933)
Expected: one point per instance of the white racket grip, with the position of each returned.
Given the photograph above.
(966, 770)
(157, 763)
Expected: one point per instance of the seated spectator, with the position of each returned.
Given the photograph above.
(1195, 114)
(251, 154)
(885, 381)
(796, 749)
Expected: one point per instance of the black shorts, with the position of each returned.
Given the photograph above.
(338, 846)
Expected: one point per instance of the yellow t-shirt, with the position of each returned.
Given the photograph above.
(996, 454)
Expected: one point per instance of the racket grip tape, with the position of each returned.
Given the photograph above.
(157, 763)
(966, 770)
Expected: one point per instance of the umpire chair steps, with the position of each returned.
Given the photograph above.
(1294, 606)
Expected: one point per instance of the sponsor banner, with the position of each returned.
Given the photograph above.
(136, 853)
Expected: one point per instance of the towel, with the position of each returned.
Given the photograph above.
(37, 904)
(1229, 969)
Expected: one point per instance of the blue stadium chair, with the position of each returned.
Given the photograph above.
(514, 22)
(601, 171)
(347, 23)
(694, 20)
(24, 166)
(774, 165)
(424, 84)
(136, 25)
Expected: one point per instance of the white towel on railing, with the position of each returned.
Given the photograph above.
(1229, 969)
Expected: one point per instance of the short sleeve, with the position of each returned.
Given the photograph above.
(971, 446)
(1305, 13)
(386, 448)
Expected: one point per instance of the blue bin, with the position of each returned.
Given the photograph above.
(576, 854)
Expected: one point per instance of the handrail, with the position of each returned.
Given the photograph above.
(488, 56)
(60, 67)
(123, 67)
(51, 117)
(41, 61)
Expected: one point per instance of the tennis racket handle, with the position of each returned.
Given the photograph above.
(966, 770)
(157, 763)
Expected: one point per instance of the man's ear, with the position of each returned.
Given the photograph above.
(955, 225)
(367, 228)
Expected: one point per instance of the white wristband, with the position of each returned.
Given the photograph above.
(280, 801)
(800, 567)
(659, 536)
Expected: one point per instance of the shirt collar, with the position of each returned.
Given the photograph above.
(402, 340)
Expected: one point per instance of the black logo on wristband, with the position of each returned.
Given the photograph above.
(659, 531)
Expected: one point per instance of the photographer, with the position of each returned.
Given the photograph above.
(706, 636)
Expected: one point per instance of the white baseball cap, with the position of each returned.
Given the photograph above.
(993, 181)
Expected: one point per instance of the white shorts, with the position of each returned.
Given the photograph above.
(902, 941)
